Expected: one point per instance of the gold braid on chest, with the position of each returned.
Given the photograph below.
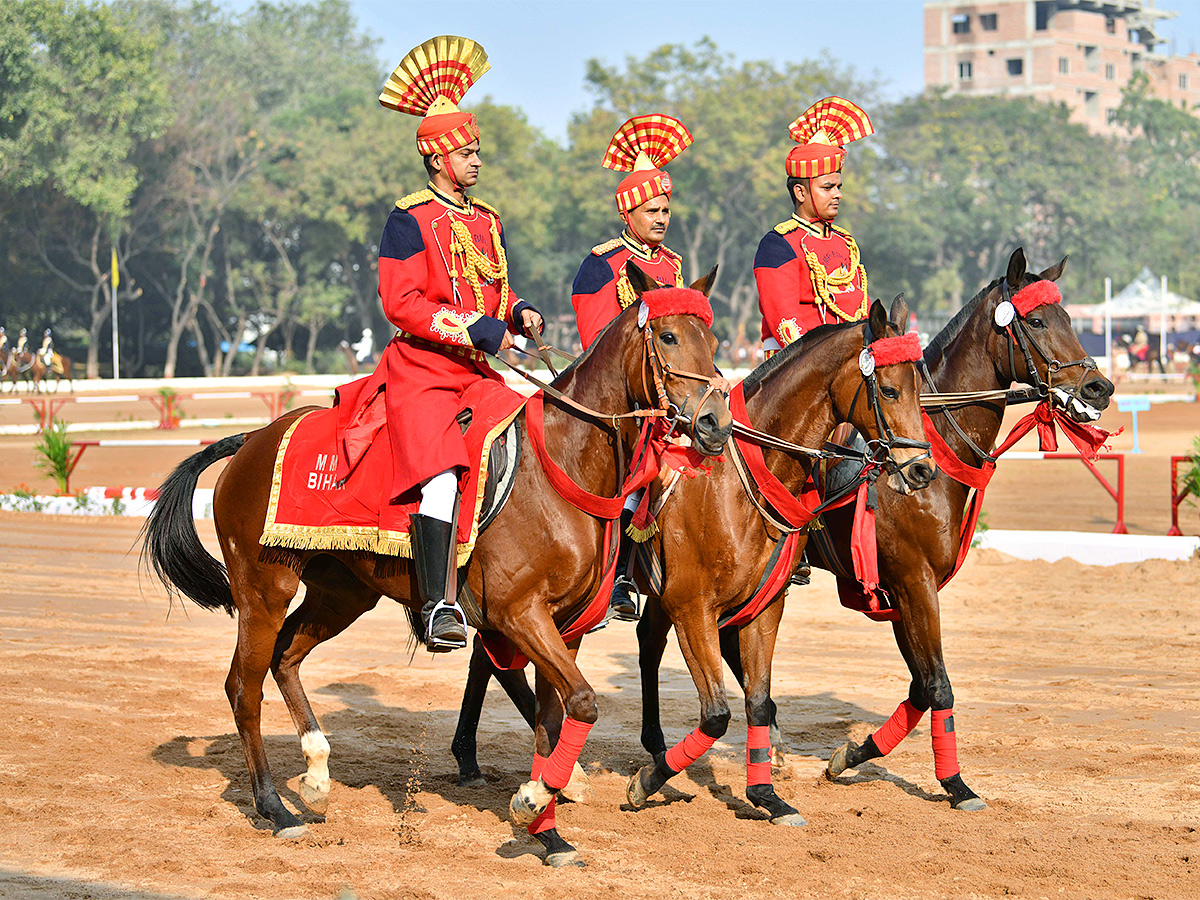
(822, 281)
(467, 262)
(625, 292)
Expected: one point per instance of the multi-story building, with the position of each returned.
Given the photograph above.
(1079, 52)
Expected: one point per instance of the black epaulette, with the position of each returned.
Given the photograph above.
(607, 247)
(414, 199)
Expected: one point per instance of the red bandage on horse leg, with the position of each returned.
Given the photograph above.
(897, 728)
(561, 762)
(758, 755)
(545, 821)
(690, 749)
(945, 743)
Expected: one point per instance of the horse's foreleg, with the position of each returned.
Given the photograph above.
(463, 746)
(260, 618)
(698, 640)
(731, 652)
(757, 641)
(652, 630)
(321, 616)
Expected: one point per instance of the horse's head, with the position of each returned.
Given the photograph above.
(882, 393)
(1033, 342)
(671, 367)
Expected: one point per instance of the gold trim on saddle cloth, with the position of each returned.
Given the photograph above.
(364, 537)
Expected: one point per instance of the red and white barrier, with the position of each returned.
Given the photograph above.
(1117, 493)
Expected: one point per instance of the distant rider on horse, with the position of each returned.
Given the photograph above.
(642, 146)
(808, 270)
(443, 280)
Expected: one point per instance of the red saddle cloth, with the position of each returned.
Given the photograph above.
(315, 505)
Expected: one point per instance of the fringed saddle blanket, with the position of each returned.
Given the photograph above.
(310, 509)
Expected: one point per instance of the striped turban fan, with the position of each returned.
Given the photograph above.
(429, 82)
(821, 133)
(642, 146)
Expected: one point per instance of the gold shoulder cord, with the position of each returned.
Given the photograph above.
(625, 293)
(822, 280)
(475, 265)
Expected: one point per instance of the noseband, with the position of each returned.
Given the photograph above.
(659, 369)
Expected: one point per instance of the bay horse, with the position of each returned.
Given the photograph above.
(721, 543)
(60, 367)
(542, 558)
(919, 534)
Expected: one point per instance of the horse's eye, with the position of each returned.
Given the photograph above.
(668, 337)
(1035, 323)
(889, 392)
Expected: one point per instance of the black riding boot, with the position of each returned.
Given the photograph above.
(621, 605)
(433, 542)
(802, 573)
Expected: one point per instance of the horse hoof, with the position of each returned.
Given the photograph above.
(971, 804)
(635, 793)
(563, 858)
(837, 762)
(314, 798)
(793, 819)
(472, 781)
(292, 832)
(529, 802)
(579, 788)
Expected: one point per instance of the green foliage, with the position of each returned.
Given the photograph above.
(1191, 475)
(53, 453)
(981, 528)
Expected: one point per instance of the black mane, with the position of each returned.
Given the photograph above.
(937, 345)
(765, 368)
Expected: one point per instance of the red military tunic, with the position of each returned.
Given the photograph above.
(602, 290)
(424, 283)
(808, 274)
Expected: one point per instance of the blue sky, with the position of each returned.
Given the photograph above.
(538, 50)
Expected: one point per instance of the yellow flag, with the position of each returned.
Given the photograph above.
(116, 273)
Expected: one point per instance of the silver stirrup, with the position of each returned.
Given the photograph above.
(453, 606)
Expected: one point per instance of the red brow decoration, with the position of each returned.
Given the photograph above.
(889, 351)
(1037, 294)
(678, 302)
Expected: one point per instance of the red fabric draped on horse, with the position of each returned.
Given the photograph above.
(545, 558)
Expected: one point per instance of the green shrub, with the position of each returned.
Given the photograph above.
(54, 453)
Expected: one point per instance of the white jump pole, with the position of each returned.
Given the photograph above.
(1108, 350)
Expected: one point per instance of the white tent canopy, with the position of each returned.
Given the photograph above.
(1144, 297)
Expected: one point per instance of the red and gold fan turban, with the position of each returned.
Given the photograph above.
(429, 82)
(824, 129)
(642, 146)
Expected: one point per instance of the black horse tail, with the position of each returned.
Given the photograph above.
(170, 544)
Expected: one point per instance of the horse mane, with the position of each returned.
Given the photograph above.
(939, 342)
(809, 338)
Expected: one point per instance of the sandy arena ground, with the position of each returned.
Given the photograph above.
(1077, 705)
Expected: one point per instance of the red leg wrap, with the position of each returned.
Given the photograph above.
(758, 755)
(562, 761)
(545, 821)
(690, 749)
(945, 743)
(897, 728)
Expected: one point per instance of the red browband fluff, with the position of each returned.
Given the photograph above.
(1037, 294)
(678, 302)
(889, 351)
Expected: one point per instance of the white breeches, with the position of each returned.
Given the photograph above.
(437, 496)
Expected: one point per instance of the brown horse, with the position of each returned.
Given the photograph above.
(744, 549)
(542, 558)
(15, 365)
(60, 368)
(918, 534)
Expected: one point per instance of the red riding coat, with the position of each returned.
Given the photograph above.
(791, 300)
(443, 332)
(601, 289)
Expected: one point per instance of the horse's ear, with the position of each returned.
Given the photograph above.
(898, 315)
(877, 318)
(705, 284)
(638, 279)
(1055, 272)
(1016, 269)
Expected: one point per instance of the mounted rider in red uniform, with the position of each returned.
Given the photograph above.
(642, 146)
(808, 270)
(443, 281)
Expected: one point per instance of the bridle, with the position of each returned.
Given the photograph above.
(880, 449)
(1019, 337)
